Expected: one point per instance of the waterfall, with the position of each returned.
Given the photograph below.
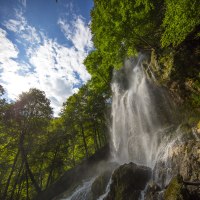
(140, 110)
(82, 192)
(141, 122)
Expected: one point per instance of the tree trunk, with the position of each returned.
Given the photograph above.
(96, 137)
(27, 186)
(24, 158)
(84, 141)
(19, 186)
(100, 142)
(16, 181)
(10, 176)
(73, 159)
(40, 179)
(52, 167)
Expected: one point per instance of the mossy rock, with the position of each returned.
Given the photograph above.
(197, 129)
(152, 191)
(99, 185)
(193, 120)
(128, 181)
(176, 190)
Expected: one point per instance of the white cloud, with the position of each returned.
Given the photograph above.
(20, 26)
(23, 2)
(56, 66)
(51, 67)
(7, 49)
(65, 28)
(78, 32)
(10, 77)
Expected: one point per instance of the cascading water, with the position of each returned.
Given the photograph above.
(141, 121)
(82, 192)
(140, 109)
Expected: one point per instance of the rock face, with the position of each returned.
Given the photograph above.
(128, 181)
(99, 185)
(153, 191)
(183, 158)
(175, 190)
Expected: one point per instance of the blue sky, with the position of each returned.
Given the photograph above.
(43, 45)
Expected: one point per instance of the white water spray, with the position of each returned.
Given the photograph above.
(139, 112)
(82, 192)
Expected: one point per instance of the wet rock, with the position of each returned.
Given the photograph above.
(99, 185)
(153, 191)
(198, 128)
(128, 181)
(176, 190)
(183, 158)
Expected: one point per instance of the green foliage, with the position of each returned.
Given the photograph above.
(166, 66)
(32, 105)
(120, 28)
(83, 117)
(23, 145)
(101, 72)
(181, 18)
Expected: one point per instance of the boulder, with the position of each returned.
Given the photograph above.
(99, 185)
(153, 191)
(128, 181)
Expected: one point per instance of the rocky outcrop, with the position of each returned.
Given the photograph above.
(153, 191)
(100, 183)
(128, 181)
(181, 159)
(176, 190)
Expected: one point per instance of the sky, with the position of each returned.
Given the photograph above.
(42, 45)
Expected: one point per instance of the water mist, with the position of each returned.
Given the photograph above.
(140, 109)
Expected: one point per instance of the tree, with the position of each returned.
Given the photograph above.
(101, 72)
(2, 102)
(121, 28)
(32, 113)
(83, 116)
(181, 18)
(8, 153)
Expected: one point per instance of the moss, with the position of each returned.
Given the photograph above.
(192, 121)
(154, 62)
(174, 189)
(162, 65)
(128, 181)
(193, 86)
(119, 192)
(100, 183)
(195, 100)
(198, 125)
(167, 63)
(186, 128)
